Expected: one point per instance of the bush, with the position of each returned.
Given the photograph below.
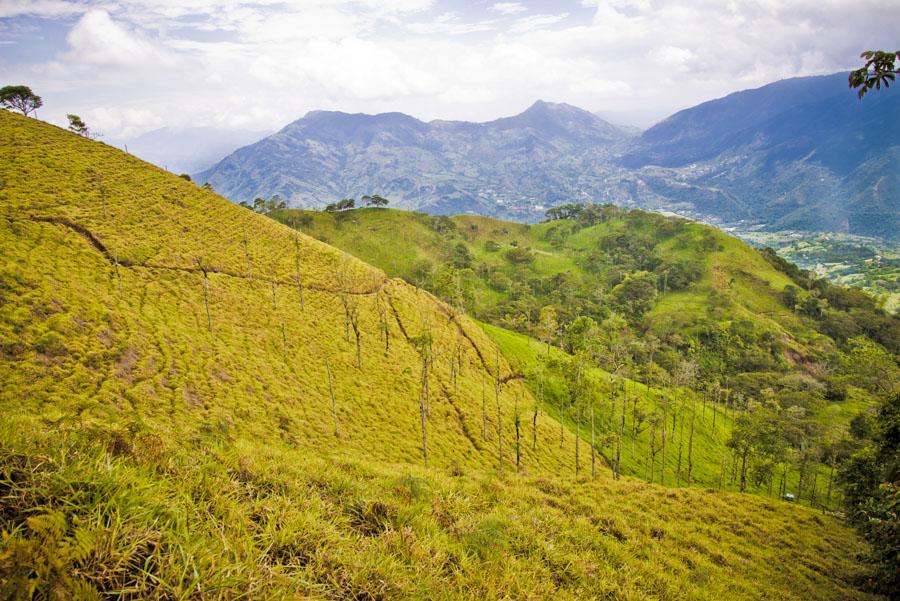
(520, 256)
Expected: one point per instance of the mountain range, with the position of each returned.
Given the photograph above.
(801, 153)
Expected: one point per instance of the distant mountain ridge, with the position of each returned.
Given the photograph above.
(801, 153)
(502, 166)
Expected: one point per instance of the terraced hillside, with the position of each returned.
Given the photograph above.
(198, 402)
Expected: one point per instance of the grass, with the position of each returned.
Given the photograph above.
(167, 428)
(737, 285)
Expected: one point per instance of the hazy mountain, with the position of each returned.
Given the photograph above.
(802, 153)
(187, 149)
(506, 166)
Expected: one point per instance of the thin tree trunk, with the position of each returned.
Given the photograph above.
(593, 443)
(722, 468)
(423, 394)
(560, 422)
(744, 470)
(299, 274)
(334, 416)
(662, 474)
(274, 294)
(633, 424)
(691, 448)
(577, 440)
(356, 334)
(680, 446)
(483, 410)
(499, 416)
(830, 480)
(518, 453)
(119, 275)
(621, 436)
(206, 302)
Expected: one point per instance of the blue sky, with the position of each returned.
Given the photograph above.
(129, 66)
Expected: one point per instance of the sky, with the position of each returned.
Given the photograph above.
(131, 66)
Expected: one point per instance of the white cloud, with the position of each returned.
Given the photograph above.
(533, 22)
(509, 8)
(137, 64)
(98, 41)
(42, 8)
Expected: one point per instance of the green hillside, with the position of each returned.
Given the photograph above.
(198, 402)
(693, 324)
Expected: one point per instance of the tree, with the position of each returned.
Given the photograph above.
(76, 125)
(871, 481)
(880, 70)
(341, 205)
(423, 344)
(375, 201)
(636, 294)
(20, 98)
(757, 438)
(791, 296)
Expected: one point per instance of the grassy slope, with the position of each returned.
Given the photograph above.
(745, 285)
(142, 454)
(751, 285)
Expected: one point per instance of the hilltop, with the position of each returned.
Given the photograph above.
(186, 413)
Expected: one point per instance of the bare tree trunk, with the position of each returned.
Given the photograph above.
(299, 273)
(102, 193)
(830, 480)
(560, 422)
(119, 275)
(423, 394)
(744, 470)
(274, 295)
(283, 339)
(593, 443)
(722, 468)
(621, 436)
(691, 448)
(334, 416)
(518, 453)
(633, 424)
(680, 446)
(499, 416)
(662, 473)
(356, 334)
(206, 302)
(483, 410)
(577, 446)
(814, 494)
